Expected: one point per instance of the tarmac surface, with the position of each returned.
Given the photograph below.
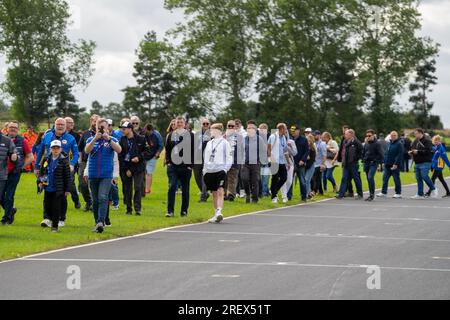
(324, 250)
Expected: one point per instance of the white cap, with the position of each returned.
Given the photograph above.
(308, 130)
(110, 122)
(55, 143)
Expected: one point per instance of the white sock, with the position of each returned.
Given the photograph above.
(218, 211)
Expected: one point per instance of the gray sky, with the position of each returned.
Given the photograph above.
(117, 26)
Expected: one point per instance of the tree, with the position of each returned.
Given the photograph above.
(165, 88)
(40, 56)
(97, 108)
(217, 42)
(385, 37)
(422, 86)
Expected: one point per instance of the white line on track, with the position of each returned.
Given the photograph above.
(345, 217)
(441, 258)
(317, 235)
(237, 263)
(374, 206)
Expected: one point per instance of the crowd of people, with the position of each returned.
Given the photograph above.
(228, 162)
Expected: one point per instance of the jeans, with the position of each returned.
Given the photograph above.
(265, 185)
(350, 172)
(8, 196)
(301, 174)
(308, 177)
(328, 176)
(114, 195)
(422, 170)
(371, 169)
(100, 189)
(387, 174)
(183, 175)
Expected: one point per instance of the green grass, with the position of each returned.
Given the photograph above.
(26, 236)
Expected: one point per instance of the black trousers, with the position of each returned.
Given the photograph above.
(250, 175)
(127, 188)
(83, 185)
(73, 189)
(54, 206)
(278, 180)
(317, 186)
(437, 174)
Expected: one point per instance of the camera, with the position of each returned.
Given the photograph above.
(101, 130)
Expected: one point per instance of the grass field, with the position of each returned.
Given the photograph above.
(26, 236)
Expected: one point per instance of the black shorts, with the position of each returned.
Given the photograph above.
(215, 181)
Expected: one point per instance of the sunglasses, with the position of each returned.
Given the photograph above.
(206, 124)
(133, 123)
(231, 127)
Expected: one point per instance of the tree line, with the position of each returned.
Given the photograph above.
(320, 63)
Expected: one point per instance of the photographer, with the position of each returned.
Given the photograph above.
(100, 149)
(132, 167)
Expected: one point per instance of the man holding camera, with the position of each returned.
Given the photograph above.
(100, 150)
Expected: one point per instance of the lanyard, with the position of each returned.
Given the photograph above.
(214, 149)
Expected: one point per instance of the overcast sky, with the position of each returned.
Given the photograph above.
(117, 26)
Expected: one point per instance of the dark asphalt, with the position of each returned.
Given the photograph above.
(314, 251)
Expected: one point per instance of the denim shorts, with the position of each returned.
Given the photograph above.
(151, 166)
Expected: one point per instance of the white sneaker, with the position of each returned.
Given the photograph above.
(242, 194)
(46, 223)
(397, 196)
(381, 195)
(216, 219)
(435, 194)
(115, 208)
(417, 197)
(275, 200)
(285, 200)
(61, 224)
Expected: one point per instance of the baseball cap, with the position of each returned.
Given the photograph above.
(308, 130)
(55, 143)
(110, 122)
(126, 125)
(317, 132)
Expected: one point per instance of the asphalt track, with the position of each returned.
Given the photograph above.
(314, 251)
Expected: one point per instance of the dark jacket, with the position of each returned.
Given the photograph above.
(353, 152)
(424, 147)
(394, 154)
(75, 134)
(310, 158)
(406, 146)
(131, 148)
(302, 150)
(62, 177)
(174, 140)
(341, 147)
(7, 148)
(373, 152)
(82, 143)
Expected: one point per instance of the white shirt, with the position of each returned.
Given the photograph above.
(218, 156)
